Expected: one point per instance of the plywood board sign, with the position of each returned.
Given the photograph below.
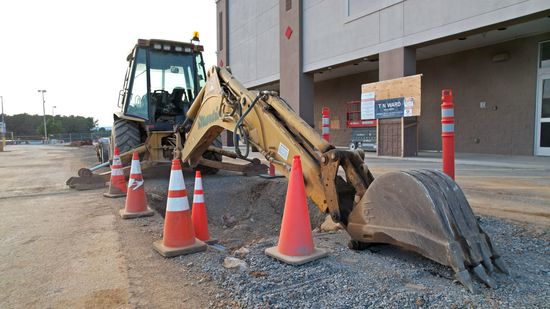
(394, 98)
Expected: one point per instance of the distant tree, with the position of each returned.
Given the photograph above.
(53, 126)
(25, 124)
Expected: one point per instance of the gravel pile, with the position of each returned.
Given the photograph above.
(381, 277)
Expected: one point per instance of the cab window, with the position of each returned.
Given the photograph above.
(137, 98)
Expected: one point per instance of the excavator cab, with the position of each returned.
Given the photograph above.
(161, 82)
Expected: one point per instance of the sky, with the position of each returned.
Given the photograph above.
(76, 50)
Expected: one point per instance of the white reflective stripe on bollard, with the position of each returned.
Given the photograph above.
(447, 127)
(447, 112)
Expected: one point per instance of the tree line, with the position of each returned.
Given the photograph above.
(25, 124)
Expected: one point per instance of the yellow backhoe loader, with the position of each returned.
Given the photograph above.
(420, 210)
(162, 80)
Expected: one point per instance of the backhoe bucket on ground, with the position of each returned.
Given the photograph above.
(426, 212)
(87, 180)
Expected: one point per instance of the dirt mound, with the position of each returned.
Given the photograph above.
(81, 143)
(240, 209)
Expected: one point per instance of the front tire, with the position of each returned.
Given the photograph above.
(125, 135)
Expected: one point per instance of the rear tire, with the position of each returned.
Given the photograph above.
(125, 135)
(214, 156)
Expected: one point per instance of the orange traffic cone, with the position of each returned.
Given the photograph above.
(295, 240)
(117, 185)
(198, 213)
(179, 235)
(136, 202)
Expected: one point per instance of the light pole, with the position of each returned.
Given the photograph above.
(53, 111)
(44, 111)
(3, 125)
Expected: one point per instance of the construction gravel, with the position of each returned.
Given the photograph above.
(380, 277)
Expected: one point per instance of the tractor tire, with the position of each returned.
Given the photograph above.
(125, 135)
(214, 156)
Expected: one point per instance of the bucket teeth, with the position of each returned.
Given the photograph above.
(500, 265)
(488, 265)
(466, 280)
(427, 212)
(484, 277)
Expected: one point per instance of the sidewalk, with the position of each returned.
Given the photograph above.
(492, 160)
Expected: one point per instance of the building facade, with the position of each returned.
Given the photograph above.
(493, 54)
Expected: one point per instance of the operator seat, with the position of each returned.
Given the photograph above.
(178, 97)
(168, 109)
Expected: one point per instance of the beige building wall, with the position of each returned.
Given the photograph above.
(338, 31)
(508, 88)
(253, 30)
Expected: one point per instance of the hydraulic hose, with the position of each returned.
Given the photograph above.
(242, 131)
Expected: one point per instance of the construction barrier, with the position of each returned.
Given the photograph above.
(136, 201)
(295, 244)
(198, 213)
(179, 235)
(325, 123)
(117, 184)
(271, 173)
(448, 132)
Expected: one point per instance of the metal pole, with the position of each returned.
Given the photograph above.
(4, 124)
(44, 111)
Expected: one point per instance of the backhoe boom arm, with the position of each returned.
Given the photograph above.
(424, 211)
(267, 122)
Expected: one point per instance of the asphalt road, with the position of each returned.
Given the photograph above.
(61, 248)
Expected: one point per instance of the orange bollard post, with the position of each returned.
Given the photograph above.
(271, 172)
(325, 124)
(448, 132)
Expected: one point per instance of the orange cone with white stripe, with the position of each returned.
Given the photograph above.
(136, 202)
(198, 214)
(179, 234)
(295, 240)
(117, 185)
